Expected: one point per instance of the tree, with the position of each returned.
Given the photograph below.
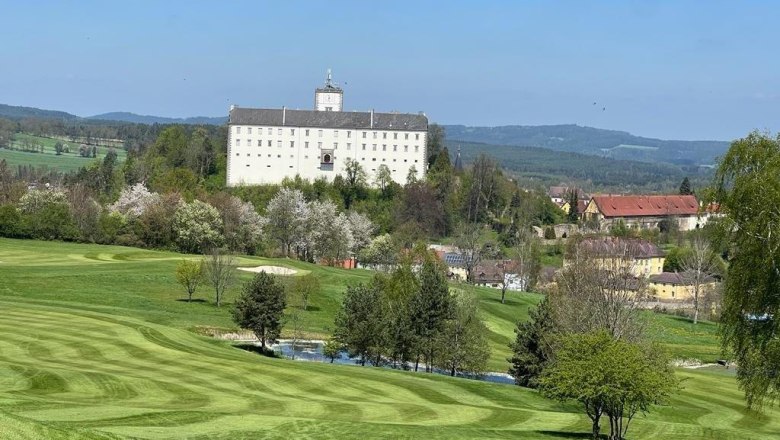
(304, 288)
(286, 214)
(697, 270)
(532, 348)
(354, 182)
(360, 323)
(331, 349)
(58, 148)
(383, 178)
(134, 200)
(197, 225)
(483, 192)
(573, 215)
(685, 187)
(260, 308)
(608, 376)
(434, 142)
(469, 240)
(463, 345)
(411, 176)
(748, 191)
(189, 274)
(219, 269)
(429, 308)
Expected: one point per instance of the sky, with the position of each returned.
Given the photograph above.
(666, 69)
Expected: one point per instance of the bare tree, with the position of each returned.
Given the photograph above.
(598, 289)
(469, 241)
(219, 268)
(698, 268)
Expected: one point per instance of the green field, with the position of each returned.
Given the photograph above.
(94, 344)
(65, 163)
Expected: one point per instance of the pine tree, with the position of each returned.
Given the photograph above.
(532, 346)
(573, 215)
(429, 308)
(685, 187)
(260, 308)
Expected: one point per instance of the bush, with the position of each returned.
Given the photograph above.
(549, 233)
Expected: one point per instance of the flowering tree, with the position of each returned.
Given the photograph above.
(134, 200)
(36, 201)
(362, 230)
(287, 214)
(197, 225)
(329, 234)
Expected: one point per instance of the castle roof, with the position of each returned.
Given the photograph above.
(637, 206)
(327, 119)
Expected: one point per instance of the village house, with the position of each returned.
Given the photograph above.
(497, 274)
(677, 286)
(643, 212)
(642, 257)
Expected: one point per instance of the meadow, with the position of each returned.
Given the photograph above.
(66, 162)
(96, 342)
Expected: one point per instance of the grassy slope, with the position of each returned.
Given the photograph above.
(92, 343)
(65, 162)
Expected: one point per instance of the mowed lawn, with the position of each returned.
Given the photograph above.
(66, 162)
(95, 344)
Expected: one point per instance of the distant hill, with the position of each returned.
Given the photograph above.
(547, 167)
(148, 119)
(593, 141)
(18, 112)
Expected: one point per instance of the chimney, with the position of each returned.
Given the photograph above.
(372, 118)
(284, 114)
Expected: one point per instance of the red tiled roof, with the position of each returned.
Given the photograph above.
(582, 205)
(637, 206)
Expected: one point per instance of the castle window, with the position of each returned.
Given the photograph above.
(249, 130)
(406, 136)
(416, 148)
(384, 135)
(395, 147)
(364, 135)
(349, 146)
(292, 131)
(307, 132)
(417, 136)
(335, 145)
(238, 130)
(319, 133)
(269, 143)
(270, 131)
(364, 147)
(374, 135)
(349, 134)
(248, 154)
(319, 145)
(259, 143)
(406, 148)
(278, 144)
(335, 133)
(238, 142)
(395, 135)
(279, 131)
(374, 147)
(306, 145)
(292, 144)
(384, 147)
(237, 154)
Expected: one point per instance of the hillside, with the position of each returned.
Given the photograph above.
(549, 167)
(593, 141)
(148, 119)
(114, 359)
(18, 112)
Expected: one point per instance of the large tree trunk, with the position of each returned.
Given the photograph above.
(503, 294)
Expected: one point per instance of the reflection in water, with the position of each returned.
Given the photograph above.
(312, 351)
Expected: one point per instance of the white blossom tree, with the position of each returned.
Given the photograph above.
(329, 233)
(287, 214)
(134, 200)
(197, 225)
(35, 201)
(362, 230)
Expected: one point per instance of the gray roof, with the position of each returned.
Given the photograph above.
(316, 119)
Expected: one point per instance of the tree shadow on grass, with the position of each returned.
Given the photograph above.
(257, 349)
(194, 300)
(313, 309)
(568, 434)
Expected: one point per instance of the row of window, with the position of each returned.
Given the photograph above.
(279, 156)
(319, 145)
(320, 133)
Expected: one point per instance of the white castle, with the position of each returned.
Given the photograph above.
(267, 145)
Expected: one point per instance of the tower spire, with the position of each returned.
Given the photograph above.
(329, 80)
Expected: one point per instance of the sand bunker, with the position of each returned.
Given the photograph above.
(273, 270)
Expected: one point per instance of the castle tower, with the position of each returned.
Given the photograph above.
(329, 98)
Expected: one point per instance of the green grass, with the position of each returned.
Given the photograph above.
(65, 163)
(94, 344)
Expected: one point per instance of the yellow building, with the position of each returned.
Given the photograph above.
(641, 257)
(674, 286)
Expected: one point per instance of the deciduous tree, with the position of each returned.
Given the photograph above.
(189, 274)
(260, 308)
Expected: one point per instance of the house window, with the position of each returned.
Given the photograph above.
(238, 130)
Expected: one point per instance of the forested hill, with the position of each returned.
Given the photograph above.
(593, 141)
(548, 167)
(148, 119)
(18, 112)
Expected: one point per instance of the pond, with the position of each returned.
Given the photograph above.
(308, 350)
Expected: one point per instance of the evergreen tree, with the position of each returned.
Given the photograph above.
(260, 308)
(685, 187)
(574, 214)
(360, 323)
(429, 308)
(532, 347)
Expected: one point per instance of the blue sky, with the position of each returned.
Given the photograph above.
(676, 69)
